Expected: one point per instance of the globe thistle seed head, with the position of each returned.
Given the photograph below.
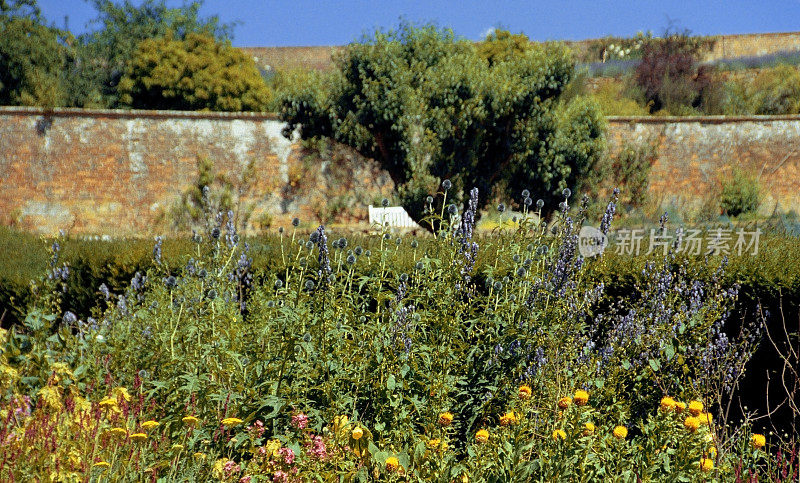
(414, 243)
(309, 245)
(368, 253)
(398, 241)
(501, 207)
(342, 243)
(295, 222)
(212, 294)
(566, 192)
(351, 259)
(526, 194)
(562, 206)
(385, 202)
(498, 286)
(516, 258)
(170, 281)
(309, 285)
(358, 250)
(446, 184)
(540, 203)
(420, 266)
(528, 201)
(521, 272)
(280, 229)
(278, 283)
(429, 200)
(452, 209)
(403, 277)
(215, 233)
(314, 237)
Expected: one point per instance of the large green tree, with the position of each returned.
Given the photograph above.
(104, 54)
(33, 56)
(197, 73)
(429, 107)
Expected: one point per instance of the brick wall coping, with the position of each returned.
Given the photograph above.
(138, 113)
(271, 116)
(698, 119)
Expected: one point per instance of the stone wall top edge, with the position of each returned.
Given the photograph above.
(137, 113)
(697, 119)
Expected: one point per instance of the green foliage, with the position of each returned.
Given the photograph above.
(33, 58)
(106, 52)
(428, 107)
(503, 46)
(740, 194)
(364, 347)
(198, 73)
(613, 100)
(630, 169)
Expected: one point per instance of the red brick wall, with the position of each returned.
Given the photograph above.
(117, 172)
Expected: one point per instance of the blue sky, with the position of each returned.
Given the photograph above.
(338, 22)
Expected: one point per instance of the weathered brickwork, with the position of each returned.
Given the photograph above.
(696, 155)
(118, 172)
(725, 47)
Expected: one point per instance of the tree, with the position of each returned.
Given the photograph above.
(105, 53)
(198, 73)
(429, 107)
(32, 57)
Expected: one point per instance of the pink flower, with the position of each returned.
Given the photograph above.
(280, 476)
(257, 428)
(317, 449)
(231, 467)
(300, 421)
(287, 454)
(244, 479)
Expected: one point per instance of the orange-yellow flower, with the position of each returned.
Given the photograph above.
(695, 407)
(667, 403)
(758, 441)
(392, 463)
(620, 432)
(706, 419)
(680, 406)
(692, 423)
(232, 421)
(446, 418)
(508, 419)
(581, 397)
(524, 392)
(482, 436)
(559, 434)
(357, 433)
(706, 464)
(564, 402)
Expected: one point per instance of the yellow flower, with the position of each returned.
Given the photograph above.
(357, 433)
(559, 434)
(588, 429)
(199, 456)
(340, 424)
(712, 452)
(102, 464)
(482, 436)
(177, 447)
(148, 425)
(121, 392)
(692, 423)
(446, 418)
(620, 432)
(108, 403)
(706, 464)
(508, 419)
(392, 464)
(695, 407)
(118, 432)
(524, 392)
(667, 403)
(190, 420)
(273, 446)
(433, 443)
(680, 406)
(581, 397)
(564, 402)
(232, 421)
(138, 436)
(706, 419)
(758, 441)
